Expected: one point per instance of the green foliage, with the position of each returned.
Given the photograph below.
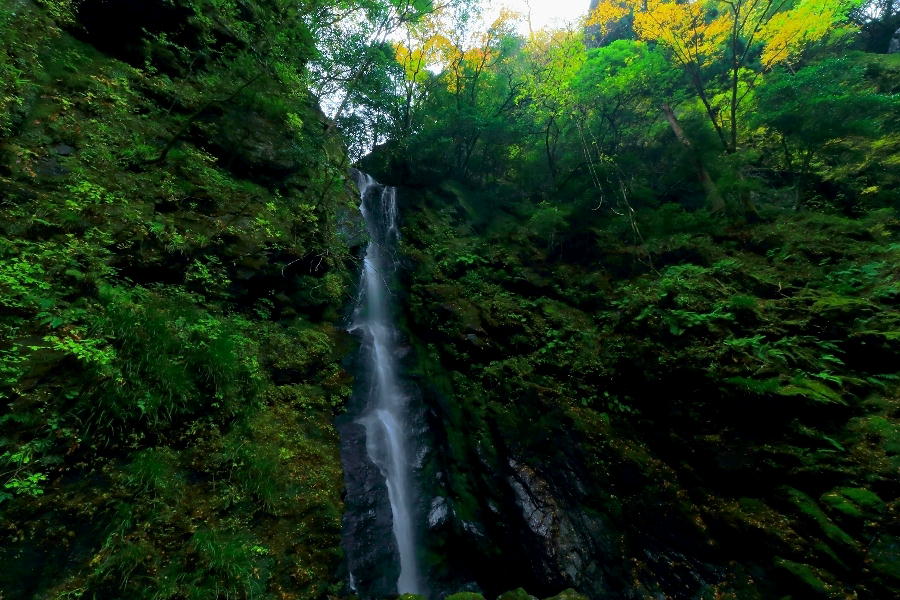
(681, 299)
(802, 356)
(26, 485)
(171, 272)
(811, 510)
(548, 220)
(154, 470)
(702, 350)
(160, 229)
(465, 596)
(231, 566)
(793, 103)
(175, 359)
(20, 46)
(805, 574)
(581, 308)
(854, 502)
(624, 68)
(209, 275)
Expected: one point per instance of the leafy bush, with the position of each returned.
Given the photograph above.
(163, 357)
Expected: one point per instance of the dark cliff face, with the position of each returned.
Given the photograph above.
(368, 538)
(120, 28)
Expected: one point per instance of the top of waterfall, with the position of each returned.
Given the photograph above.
(363, 180)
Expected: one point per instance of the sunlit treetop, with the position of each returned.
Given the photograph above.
(554, 58)
(702, 32)
(443, 42)
(788, 32)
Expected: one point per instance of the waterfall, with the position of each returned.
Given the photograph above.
(386, 405)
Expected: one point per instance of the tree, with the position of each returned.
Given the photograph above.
(627, 82)
(619, 88)
(350, 49)
(552, 59)
(723, 46)
(477, 82)
(815, 107)
(416, 54)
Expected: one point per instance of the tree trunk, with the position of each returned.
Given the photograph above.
(710, 111)
(713, 196)
(735, 80)
(548, 148)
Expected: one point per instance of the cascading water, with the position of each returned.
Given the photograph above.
(385, 415)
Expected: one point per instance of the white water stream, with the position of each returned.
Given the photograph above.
(387, 441)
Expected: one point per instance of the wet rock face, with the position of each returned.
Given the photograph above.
(567, 545)
(439, 513)
(368, 538)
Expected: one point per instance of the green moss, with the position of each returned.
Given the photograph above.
(840, 503)
(887, 430)
(865, 498)
(807, 576)
(568, 594)
(156, 471)
(516, 594)
(744, 302)
(465, 596)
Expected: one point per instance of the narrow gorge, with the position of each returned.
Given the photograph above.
(375, 299)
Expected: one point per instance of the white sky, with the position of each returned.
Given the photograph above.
(543, 12)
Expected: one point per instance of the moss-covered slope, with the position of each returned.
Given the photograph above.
(170, 274)
(710, 412)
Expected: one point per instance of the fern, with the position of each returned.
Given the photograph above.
(811, 390)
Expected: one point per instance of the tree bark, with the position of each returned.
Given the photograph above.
(713, 196)
(548, 148)
(710, 111)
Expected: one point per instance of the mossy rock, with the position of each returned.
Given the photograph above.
(465, 596)
(568, 594)
(807, 576)
(887, 430)
(516, 594)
